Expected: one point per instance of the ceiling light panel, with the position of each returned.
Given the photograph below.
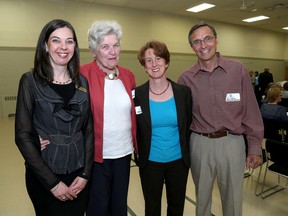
(255, 19)
(200, 7)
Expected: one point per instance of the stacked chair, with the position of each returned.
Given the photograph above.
(274, 155)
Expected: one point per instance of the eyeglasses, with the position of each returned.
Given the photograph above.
(207, 40)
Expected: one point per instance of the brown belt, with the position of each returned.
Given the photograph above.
(213, 135)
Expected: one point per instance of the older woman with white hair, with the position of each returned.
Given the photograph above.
(114, 121)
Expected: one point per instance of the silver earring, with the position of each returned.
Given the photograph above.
(46, 47)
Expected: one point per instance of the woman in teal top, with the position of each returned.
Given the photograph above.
(163, 114)
(165, 135)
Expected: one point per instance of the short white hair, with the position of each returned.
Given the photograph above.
(101, 28)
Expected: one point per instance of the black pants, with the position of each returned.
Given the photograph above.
(174, 175)
(44, 202)
(109, 187)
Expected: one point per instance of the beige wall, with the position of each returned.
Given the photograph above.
(22, 20)
(285, 44)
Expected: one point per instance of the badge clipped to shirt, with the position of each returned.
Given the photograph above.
(232, 97)
(138, 110)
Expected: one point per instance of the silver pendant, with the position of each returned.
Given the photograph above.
(111, 76)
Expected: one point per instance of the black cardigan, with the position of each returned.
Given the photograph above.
(183, 101)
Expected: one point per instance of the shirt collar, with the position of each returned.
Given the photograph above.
(221, 63)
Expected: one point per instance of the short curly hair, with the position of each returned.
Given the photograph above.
(101, 28)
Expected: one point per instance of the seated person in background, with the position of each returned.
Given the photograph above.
(281, 83)
(272, 110)
(264, 96)
(285, 90)
(270, 85)
(284, 100)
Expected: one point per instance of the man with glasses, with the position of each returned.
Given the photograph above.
(224, 111)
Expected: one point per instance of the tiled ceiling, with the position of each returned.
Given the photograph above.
(228, 11)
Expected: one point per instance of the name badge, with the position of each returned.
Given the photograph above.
(232, 97)
(138, 110)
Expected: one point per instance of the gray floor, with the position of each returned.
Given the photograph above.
(14, 200)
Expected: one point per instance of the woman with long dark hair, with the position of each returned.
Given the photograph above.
(53, 107)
